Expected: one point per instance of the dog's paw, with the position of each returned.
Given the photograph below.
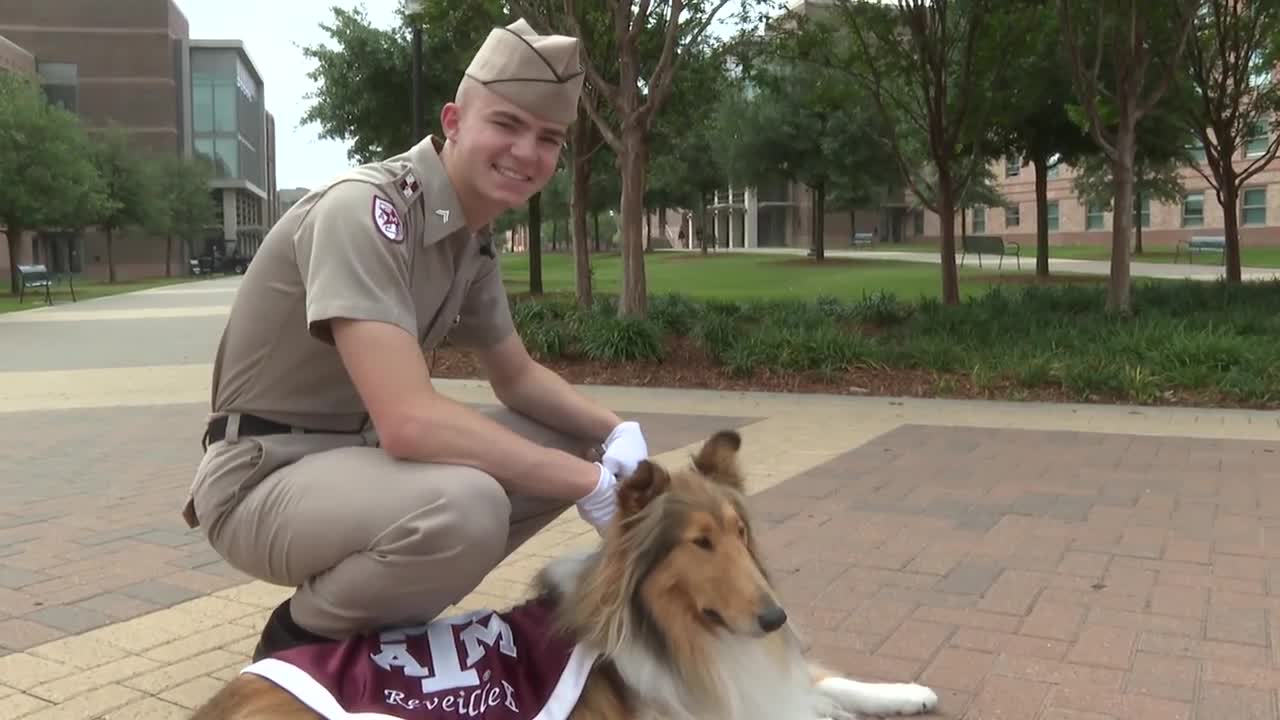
(883, 699)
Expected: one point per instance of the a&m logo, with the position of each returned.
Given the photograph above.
(387, 220)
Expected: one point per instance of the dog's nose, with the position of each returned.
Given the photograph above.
(772, 618)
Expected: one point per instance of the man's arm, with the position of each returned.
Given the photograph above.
(414, 422)
(532, 389)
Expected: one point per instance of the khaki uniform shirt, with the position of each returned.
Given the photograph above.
(385, 242)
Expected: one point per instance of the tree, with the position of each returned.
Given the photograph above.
(635, 99)
(364, 82)
(48, 177)
(809, 125)
(687, 143)
(183, 207)
(930, 67)
(1142, 45)
(1160, 154)
(129, 188)
(1034, 123)
(1235, 97)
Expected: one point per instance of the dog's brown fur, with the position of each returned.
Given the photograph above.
(677, 571)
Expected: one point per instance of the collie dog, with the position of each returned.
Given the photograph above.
(672, 618)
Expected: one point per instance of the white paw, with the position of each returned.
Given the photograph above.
(879, 698)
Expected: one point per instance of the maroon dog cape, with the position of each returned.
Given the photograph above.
(482, 665)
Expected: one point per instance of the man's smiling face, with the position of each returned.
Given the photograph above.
(507, 154)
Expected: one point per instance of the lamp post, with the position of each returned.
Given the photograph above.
(412, 9)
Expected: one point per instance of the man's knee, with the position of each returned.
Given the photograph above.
(463, 521)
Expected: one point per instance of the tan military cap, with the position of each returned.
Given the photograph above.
(542, 74)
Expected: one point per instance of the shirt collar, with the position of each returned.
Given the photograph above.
(425, 175)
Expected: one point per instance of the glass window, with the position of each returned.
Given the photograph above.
(201, 105)
(224, 107)
(1142, 212)
(1012, 166)
(1254, 206)
(979, 219)
(1012, 216)
(228, 151)
(1093, 219)
(1053, 215)
(1193, 210)
(1258, 141)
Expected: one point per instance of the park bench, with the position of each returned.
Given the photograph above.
(31, 277)
(862, 238)
(1200, 244)
(35, 277)
(990, 245)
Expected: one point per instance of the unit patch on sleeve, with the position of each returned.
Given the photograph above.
(387, 218)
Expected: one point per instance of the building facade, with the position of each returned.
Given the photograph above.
(132, 64)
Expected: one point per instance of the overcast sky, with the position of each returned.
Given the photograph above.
(274, 33)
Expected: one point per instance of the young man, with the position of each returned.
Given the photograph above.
(331, 464)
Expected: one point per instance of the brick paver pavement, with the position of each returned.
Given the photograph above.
(90, 531)
(1042, 574)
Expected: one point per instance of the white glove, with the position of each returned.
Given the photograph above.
(598, 507)
(624, 449)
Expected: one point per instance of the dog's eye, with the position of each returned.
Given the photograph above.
(703, 542)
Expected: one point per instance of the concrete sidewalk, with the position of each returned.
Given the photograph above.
(1168, 271)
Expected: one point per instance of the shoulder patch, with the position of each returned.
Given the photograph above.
(387, 218)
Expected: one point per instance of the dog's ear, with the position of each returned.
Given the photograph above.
(646, 483)
(718, 458)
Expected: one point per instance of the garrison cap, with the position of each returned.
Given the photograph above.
(541, 74)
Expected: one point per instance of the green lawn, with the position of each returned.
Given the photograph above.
(85, 290)
(1262, 257)
(739, 275)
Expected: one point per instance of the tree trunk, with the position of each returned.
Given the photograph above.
(555, 235)
(1042, 215)
(662, 223)
(947, 215)
(595, 219)
(535, 244)
(1137, 222)
(634, 302)
(1231, 228)
(1122, 220)
(168, 255)
(111, 261)
(578, 201)
(14, 233)
(819, 221)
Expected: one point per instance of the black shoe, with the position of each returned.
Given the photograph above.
(282, 633)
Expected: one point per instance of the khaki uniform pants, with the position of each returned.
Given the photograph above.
(367, 540)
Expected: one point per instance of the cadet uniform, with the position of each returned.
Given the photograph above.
(293, 488)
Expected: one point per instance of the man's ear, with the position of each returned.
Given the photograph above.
(646, 483)
(450, 117)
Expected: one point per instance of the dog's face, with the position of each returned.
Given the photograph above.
(693, 545)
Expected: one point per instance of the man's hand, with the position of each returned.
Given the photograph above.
(599, 507)
(624, 449)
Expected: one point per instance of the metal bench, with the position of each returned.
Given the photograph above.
(990, 245)
(34, 277)
(862, 238)
(1200, 244)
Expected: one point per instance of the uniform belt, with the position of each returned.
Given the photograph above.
(249, 425)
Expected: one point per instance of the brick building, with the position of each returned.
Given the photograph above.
(133, 64)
